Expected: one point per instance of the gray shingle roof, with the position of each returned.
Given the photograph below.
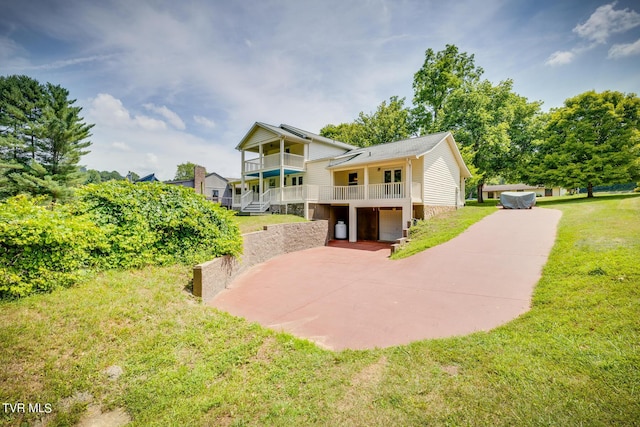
(390, 151)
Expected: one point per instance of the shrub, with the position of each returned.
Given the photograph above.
(42, 247)
(152, 223)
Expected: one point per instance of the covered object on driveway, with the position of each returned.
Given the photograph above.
(518, 199)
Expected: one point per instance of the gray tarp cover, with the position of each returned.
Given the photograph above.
(517, 200)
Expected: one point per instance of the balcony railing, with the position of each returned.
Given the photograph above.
(339, 193)
(272, 161)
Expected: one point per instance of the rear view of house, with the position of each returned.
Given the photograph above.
(376, 191)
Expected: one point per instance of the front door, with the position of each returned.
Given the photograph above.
(394, 178)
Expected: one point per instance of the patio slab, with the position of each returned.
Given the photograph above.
(350, 295)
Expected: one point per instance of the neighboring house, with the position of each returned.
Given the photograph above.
(148, 178)
(376, 190)
(494, 191)
(213, 186)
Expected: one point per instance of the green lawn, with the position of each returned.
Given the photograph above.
(571, 361)
(248, 224)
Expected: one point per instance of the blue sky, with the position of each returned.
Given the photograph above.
(168, 82)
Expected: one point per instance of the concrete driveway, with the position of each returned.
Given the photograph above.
(352, 296)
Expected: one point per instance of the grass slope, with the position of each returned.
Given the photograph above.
(572, 360)
(248, 223)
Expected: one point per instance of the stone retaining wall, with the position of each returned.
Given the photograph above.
(213, 276)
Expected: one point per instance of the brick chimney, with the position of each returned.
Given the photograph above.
(199, 174)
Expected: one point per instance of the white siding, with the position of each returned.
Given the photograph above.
(441, 177)
(317, 173)
(318, 150)
(258, 136)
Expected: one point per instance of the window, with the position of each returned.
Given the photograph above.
(216, 193)
(353, 178)
(392, 175)
(299, 180)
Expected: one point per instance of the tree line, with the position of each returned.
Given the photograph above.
(594, 139)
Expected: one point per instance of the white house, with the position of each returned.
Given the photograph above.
(376, 190)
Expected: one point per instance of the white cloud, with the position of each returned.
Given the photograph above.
(203, 121)
(560, 58)
(623, 50)
(606, 21)
(172, 117)
(120, 146)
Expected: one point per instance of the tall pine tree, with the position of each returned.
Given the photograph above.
(42, 138)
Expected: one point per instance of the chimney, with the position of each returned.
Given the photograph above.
(199, 174)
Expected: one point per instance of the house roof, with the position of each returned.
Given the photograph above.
(413, 147)
(293, 133)
(148, 178)
(509, 187)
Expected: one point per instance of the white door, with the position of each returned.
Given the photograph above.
(390, 224)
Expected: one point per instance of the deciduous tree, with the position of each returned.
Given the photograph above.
(593, 140)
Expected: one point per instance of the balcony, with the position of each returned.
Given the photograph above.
(338, 193)
(291, 162)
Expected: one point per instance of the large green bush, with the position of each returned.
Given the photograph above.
(110, 225)
(42, 247)
(152, 223)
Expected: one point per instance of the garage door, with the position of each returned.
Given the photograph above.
(390, 224)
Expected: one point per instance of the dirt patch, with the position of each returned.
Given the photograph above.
(363, 386)
(451, 370)
(94, 417)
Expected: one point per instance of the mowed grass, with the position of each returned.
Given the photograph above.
(572, 360)
(252, 223)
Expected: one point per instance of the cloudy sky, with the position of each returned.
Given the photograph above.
(167, 82)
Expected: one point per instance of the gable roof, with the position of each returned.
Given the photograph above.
(148, 178)
(413, 147)
(292, 133)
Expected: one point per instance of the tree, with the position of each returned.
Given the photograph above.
(42, 138)
(441, 74)
(185, 171)
(593, 140)
(390, 122)
(493, 125)
(63, 137)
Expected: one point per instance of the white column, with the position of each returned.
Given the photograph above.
(242, 173)
(353, 224)
(409, 180)
(260, 173)
(281, 167)
(366, 183)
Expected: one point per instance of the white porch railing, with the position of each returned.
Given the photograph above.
(416, 192)
(391, 190)
(246, 199)
(272, 161)
(329, 193)
(341, 192)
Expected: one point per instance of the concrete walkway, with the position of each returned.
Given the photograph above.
(352, 296)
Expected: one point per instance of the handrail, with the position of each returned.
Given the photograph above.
(246, 199)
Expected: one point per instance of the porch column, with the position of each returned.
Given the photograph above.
(409, 180)
(241, 173)
(353, 224)
(260, 173)
(281, 167)
(366, 183)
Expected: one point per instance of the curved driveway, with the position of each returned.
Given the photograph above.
(352, 296)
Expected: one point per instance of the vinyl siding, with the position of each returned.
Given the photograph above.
(318, 150)
(441, 176)
(317, 173)
(258, 136)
